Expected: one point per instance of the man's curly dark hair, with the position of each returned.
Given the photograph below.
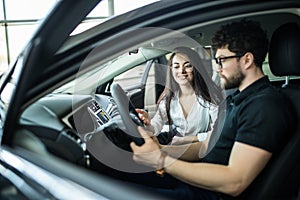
(242, 37)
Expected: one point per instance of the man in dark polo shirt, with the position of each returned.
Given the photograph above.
(256, 126)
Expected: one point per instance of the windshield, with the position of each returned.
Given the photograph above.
(107, 9)
(87, 82)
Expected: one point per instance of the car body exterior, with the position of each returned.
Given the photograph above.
(58, 90)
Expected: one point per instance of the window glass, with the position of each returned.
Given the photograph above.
(144, 84)
(9, 88)
(1, 12)
(101, 10)
(267, 70)
(106, 9)
(18, 36)
(86, 25)
(28, 9)
(272, 77)
(122, 6)
(131, 77)
(3, 51)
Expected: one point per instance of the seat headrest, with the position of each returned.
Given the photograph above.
(284, 50)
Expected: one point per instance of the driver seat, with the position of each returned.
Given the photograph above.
(281, 180)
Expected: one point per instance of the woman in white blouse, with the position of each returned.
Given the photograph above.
(188, 104)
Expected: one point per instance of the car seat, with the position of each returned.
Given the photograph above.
(281, 180)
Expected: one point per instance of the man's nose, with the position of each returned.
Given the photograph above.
(218, 69)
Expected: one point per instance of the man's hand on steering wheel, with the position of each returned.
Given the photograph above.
(148, 153)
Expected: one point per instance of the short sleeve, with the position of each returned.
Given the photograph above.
(258, 128)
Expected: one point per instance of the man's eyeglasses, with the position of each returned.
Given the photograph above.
(220, 60)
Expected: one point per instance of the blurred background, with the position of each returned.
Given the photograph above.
(19, 19)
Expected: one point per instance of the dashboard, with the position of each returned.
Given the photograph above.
(61, 121)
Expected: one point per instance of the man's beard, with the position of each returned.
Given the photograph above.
(232, 81)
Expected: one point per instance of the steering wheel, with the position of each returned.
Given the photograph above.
(128, 114)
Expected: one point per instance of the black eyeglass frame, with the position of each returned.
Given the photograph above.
(219, 60)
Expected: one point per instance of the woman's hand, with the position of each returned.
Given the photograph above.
(144, 116)
(149, 153)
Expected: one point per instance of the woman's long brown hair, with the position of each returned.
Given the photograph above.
(202, 83)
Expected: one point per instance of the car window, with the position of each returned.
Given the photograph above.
(272, 77)
(144, 83)
(131, 77)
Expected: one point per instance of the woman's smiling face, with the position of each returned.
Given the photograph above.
(182, 69)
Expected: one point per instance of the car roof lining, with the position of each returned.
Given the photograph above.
(270, 20)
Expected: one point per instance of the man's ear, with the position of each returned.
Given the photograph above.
(248, 60)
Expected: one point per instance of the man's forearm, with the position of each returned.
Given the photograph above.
(187, 152)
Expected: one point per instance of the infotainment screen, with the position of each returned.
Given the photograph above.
(97, 111)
